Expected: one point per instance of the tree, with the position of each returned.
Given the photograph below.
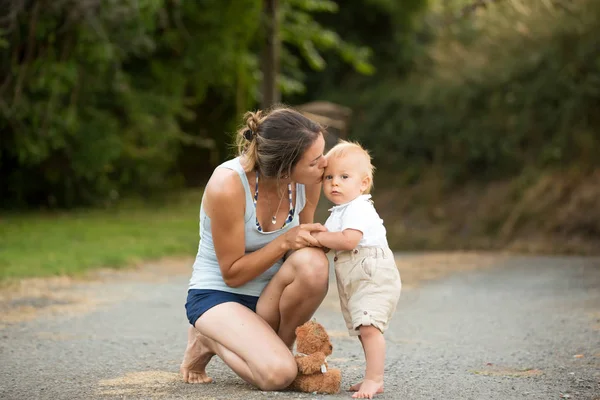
(292, 33)
(98, 98)
(270, 57)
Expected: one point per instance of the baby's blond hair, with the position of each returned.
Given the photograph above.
(344, 148)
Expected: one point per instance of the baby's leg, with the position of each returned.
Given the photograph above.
(373, 344)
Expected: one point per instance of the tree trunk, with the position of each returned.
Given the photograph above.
(270, 56)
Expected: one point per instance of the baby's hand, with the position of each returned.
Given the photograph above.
(316, 235)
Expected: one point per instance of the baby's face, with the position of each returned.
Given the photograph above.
(344, 179)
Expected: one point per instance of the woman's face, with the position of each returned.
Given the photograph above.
(311, 166)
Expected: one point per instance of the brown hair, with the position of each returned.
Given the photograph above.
(344, 148)
(273, 141)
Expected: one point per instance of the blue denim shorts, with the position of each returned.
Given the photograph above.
(200, 301)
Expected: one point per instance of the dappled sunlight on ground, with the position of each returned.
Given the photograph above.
(153, 384)
(493, 370)
(415, 269)
(26, 299)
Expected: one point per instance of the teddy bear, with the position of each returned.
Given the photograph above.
(313, 347)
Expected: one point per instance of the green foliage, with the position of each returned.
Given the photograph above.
(95, 93)
(513, 84)
(101, 98)
(381, 26)
(305, 38)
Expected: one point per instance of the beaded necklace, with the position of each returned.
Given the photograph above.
(290, 216)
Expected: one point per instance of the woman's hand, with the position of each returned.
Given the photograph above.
(300, 236)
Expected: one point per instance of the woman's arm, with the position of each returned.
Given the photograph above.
(224, 203)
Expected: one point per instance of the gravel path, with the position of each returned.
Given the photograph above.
(520, 328)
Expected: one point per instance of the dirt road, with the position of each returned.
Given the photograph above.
(467, 327)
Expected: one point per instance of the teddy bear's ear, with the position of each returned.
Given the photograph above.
(302, 329)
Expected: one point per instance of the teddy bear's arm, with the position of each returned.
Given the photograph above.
(311, 363)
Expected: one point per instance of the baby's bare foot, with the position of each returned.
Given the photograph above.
(195, 359)
(366, 389)
(356, 387)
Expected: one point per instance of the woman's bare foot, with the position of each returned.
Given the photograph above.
(195, 359)
(366, 389)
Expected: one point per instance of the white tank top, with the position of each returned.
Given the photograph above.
(207, 274)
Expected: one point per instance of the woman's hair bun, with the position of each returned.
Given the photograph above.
(253, 120)
(248, 135)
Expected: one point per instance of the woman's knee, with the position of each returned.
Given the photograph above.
(312, 268)
(277, 374)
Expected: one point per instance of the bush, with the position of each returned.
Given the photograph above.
(516, 84)
(95, 93)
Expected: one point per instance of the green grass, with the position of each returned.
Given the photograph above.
(70, 243)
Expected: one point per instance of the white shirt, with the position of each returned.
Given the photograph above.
(359, 214)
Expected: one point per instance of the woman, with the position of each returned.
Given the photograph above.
(256, 276)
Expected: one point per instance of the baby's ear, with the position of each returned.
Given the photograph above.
(364, 185)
